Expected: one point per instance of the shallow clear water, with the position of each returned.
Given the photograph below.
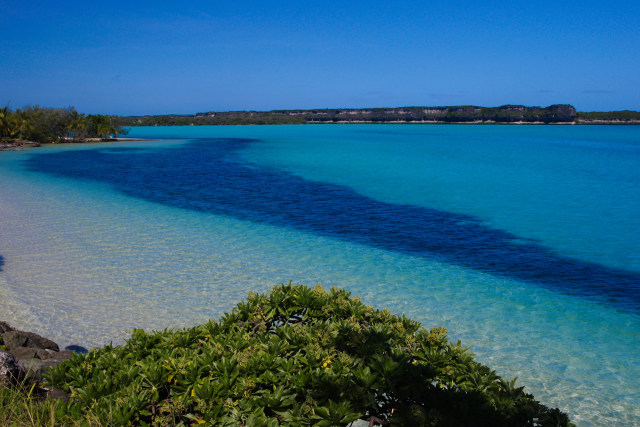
(521, 240)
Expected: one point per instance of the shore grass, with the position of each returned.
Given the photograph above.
(20, 406)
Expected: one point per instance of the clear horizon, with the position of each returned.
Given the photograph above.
(151, 58)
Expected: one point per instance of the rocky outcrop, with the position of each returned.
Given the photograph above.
(34, 353)
(17, 339)
(12, 371)
(4, 327)
(562, 113)
(14, 145)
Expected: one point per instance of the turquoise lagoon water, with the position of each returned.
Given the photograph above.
(521, 240)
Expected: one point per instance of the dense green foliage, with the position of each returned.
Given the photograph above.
(48, 125)
(609, 116)
(459, 114)
(295, 356)
(66, 124)
(227, 118)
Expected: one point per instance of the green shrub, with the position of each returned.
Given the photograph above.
(295, 356)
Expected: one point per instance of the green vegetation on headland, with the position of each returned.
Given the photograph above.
(295, 356)
(610, 117)
(37, 125)
(459, 114)
(50, 125)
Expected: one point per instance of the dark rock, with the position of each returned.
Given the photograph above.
(42, 342)
(63, 355)
(30, 355)
(38, 362)
(45, 354)
(563, 113)
(15, 339)
(56, 393)
(36, 367)
(30, 143)
(24, 353)
(5, 327)
(12, 371)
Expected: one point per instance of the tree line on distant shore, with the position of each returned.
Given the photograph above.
(608, 116)
(453, 114)
(50, 125)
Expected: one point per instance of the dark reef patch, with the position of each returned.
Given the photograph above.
(206, 175)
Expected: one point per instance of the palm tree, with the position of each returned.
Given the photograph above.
(10, 123)
(76, 126)
(5, 127)
(23, 126)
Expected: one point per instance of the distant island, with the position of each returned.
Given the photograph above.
(553, 114)
(34, 125)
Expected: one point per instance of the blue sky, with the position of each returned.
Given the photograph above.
(160, 57)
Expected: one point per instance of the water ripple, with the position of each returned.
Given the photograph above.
(207, 176)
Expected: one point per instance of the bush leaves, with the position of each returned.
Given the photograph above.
(295, 356)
